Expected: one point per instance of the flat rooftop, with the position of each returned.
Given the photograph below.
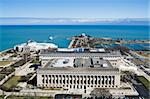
(78, 65)
(78, 62)
(61, 62)
(79, 69)
(80, 54)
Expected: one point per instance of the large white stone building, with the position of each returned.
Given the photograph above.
(82, 73)
(88, 71)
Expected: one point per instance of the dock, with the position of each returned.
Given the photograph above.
(86, 41)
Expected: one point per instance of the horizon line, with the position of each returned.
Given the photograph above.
(75, 18)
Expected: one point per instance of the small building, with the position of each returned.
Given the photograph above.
(34, 46)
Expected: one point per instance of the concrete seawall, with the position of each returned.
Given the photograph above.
(70, 45)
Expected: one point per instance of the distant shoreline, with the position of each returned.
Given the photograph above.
(73, 21)
(69, 25)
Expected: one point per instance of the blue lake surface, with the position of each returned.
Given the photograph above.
(11, 35)
(145, 46)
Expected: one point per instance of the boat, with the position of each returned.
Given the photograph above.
(50, 38)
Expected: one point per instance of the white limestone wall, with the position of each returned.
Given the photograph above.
(78, 81)
(39, 80)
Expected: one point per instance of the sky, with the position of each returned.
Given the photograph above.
(75, 8)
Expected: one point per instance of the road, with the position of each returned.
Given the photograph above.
(143, 72)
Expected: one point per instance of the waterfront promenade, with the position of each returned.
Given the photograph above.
(87, 41)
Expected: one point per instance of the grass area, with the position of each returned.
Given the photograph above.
(19, 63)
(52, 88)
(11, 83)
(2, 76)
(36, 61)
(138, 61)
(143, 54)
(126, 72)
(144, 81)
(28, 97)
(3, 63)
(14, 55)
(2, 96)
(3, 54)
(25, 78)
(7, 70)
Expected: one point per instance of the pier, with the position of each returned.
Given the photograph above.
(82, 41)
(86, 41)
(71, 43)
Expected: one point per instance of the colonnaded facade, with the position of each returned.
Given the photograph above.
(78, 78)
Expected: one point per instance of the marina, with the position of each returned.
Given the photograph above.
(86, 41)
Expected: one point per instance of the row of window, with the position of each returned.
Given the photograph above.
(81, 86)
(76, 80)
(80, 56)
(76, 76)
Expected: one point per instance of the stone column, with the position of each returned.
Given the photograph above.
(112, 80)
(86, 80)
(52, 79)
(79, 80)
(97, 80)
(48, 78)
(59, 80)
(69, 80)
(74, 82)
(106, 77)
(66, 80)
(108, 80)
(91, 80)
(102, 80)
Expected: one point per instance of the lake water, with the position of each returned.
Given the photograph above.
(16, 34)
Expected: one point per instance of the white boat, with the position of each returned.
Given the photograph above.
(50, 38)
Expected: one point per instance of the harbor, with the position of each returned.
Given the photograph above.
(86, 41)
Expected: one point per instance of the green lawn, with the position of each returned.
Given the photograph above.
(3, 63)
(36, 61)
(19, 63)
(12, 82)
(7, 70)
(144, 81)
(52, 88)
(2, 76)
(14, 55)
(1, 96)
